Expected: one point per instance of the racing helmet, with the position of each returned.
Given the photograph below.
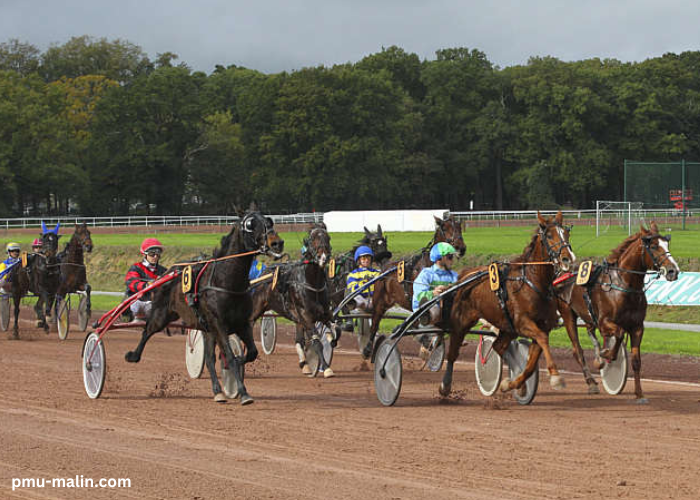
(151, 244)
(12, 246)
(440, 250)
(363, 250)
(37, 243)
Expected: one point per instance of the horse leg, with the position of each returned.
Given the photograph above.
(533, 356)
(529, 329)
(452, 355)
(210, 361)
(15, 328)
(299, 343)
(236, 365)
(88, 299)
(251, 351)
(158, 320)
(570, 318)
(635, 344)
(39, 311)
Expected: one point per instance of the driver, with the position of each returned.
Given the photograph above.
(361, 275)
(142, 273)
(12, 258)
(37, 245)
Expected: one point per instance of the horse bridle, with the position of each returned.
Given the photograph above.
(646, 244)
(246, 226)
(553, 251)
(451, 241)
(310, 249)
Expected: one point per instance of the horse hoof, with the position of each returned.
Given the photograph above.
(306, 370)
(505, 385)
(593, 389)
(557, 382)
(328, 373)
(367, 351)
(246, 400)
(642, 401)
(219, 397)
(39, 324)
(445, 390)
(132, 357)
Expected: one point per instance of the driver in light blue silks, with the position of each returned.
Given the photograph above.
(432, 281)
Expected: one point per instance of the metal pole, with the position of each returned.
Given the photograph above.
(683, 192)
(624, 193)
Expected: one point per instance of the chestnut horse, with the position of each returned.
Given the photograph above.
(613, 300)
(300, 293)
(388, 292)
(525, 304)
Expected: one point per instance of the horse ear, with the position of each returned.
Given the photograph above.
(542, 220)
(323, 225)
(58, 225)
(654, 228)
(44, 230)
(559, 218)
(438, 221)
(367, 231)
(379, 229)
(642, 229)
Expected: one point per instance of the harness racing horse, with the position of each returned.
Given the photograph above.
(345, 263)
(41, 277)
(300, 294)
(523, 304)
(613, 300)
(388, 292)
(72, 265)
(220, 304)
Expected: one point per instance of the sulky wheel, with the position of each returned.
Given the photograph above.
(614, 373)
(94, 365)
(327, 336)
(488, 367)
(4, 312)
(194, 353)
(228, 380)
(63, 317)
(268, 334)
(516, 357)
(388, 373)
(437, 354)
(83, 313)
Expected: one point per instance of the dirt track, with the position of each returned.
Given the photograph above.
(327, 439)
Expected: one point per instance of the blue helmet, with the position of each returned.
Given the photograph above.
(363, 250)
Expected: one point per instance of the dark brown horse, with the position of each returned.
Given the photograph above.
(40, 277)
(613, 300)
(72, 265)
(219, 303)
(300, 293)
(529, 306)
(388, 292)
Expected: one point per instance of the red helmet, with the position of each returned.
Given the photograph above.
(37, 242)
(150, 244)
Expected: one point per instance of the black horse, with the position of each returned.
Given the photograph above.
(40, 277)
(72, 265)
(219, 303)
(300, 294)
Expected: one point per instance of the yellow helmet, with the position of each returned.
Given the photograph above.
(12, 246)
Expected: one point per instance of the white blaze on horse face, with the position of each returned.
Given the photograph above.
(563, 238)
(664, 245)
(322, 259)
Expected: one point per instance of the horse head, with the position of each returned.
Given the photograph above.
(84, 238)
(656, 254)
(555, 240)
(449, 230)
(49, 245)
(318, 244)
(259, 234)
(378, 243)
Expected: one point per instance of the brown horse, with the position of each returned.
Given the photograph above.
(388, 292)
(72, 259)
(613, 300)
(524, 306)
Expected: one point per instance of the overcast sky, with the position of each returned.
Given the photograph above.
(278, 35)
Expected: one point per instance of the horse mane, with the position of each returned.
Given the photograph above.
(616, 253)
(527, 252)
(226, 241)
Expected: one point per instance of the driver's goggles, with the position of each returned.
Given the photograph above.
(154, 252)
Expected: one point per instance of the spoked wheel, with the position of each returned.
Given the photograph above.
(312, 359)
(327, 336)
(94, 365)
(228, 379)
(268, 334)
(516, 357)
(363, 327)
(488, 367)
(614, 373)
(388, 373)
(83, 313)
(437, 354)
(63, 317)
(4, 312)
(194, 353)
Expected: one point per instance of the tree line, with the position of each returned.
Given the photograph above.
(95, 127)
